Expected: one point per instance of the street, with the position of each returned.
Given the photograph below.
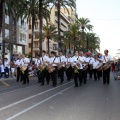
(93, 101)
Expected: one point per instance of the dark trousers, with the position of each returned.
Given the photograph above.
(85, 76)
(61, 74)
(25, 76)
(47, 76)
(18, 74)
(78, 76)
(7, 72)
(69, 73)
(106, 76)
(90, 71)
(38, 76)
(96, 74)
(54, 76)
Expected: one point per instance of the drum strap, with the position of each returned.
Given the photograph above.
(104, 58)
(54, 59)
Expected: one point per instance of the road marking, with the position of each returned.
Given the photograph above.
(41, 93)
(4, 83)
(25, 110)
(15, 90)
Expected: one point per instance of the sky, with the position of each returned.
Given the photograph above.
(104, 15)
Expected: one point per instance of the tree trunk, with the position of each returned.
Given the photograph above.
(32, 37)
(59, 38)
(41, 23)
(1, 15)
(69, 46)
(87, 43)
(74, 44)
(48, 45)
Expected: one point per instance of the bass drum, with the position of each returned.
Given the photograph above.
(99, 67)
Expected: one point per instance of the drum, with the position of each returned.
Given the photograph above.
(99, 67)
(15, 72)
(107, 66)
(23, 68)
(41, 67)
(50, 68)
(59, 66)
(85, 67)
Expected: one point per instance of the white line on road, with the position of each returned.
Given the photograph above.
(17, 89)
(41, 93)
(18, 114)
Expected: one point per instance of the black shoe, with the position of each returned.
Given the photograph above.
(47, 83)
(76, 86)
(98, 78)
(85, 83)
(115, 78)
(23, 83)
(54, 85)
(42, 84)
(80, 84)
(104, 83)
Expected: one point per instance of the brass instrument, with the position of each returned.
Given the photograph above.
(50, 68)
(67, 66)
(76, 68)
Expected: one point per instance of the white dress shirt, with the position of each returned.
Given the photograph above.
(94, 62)
(62, 59)
(106, 58)
(19, 62)
(68, 60)
(37, 62)
(53, 59)
(25, 61)
(7, 64)
(45, 59)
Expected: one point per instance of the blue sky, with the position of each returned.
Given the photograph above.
(105, 17)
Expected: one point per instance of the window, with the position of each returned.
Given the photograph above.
(6, 19)
(7, 33)
(36, 35)
(36, 44)
(30, 36)
(29, 45)
(29, 26)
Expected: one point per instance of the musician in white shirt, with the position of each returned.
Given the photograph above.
(37, 63)
(45, 60)
(83, 73)
(95, 62)
(106, 73)
(26, 62)
(76, 63)
(18, 63)
(54, 62)
(62, 60)
(69, 71)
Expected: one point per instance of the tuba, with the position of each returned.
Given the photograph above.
(67, 66)
(76, 68)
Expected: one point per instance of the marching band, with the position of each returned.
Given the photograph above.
(53, 67)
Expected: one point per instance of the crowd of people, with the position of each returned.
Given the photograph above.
(53, 67)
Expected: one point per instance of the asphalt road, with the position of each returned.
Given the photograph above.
(93, 101)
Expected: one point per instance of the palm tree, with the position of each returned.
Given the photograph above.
(30, 10)
(94, 42)
(73, 35)
(58, 4)
(11, 9)
(84, 24)
(49, 32)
